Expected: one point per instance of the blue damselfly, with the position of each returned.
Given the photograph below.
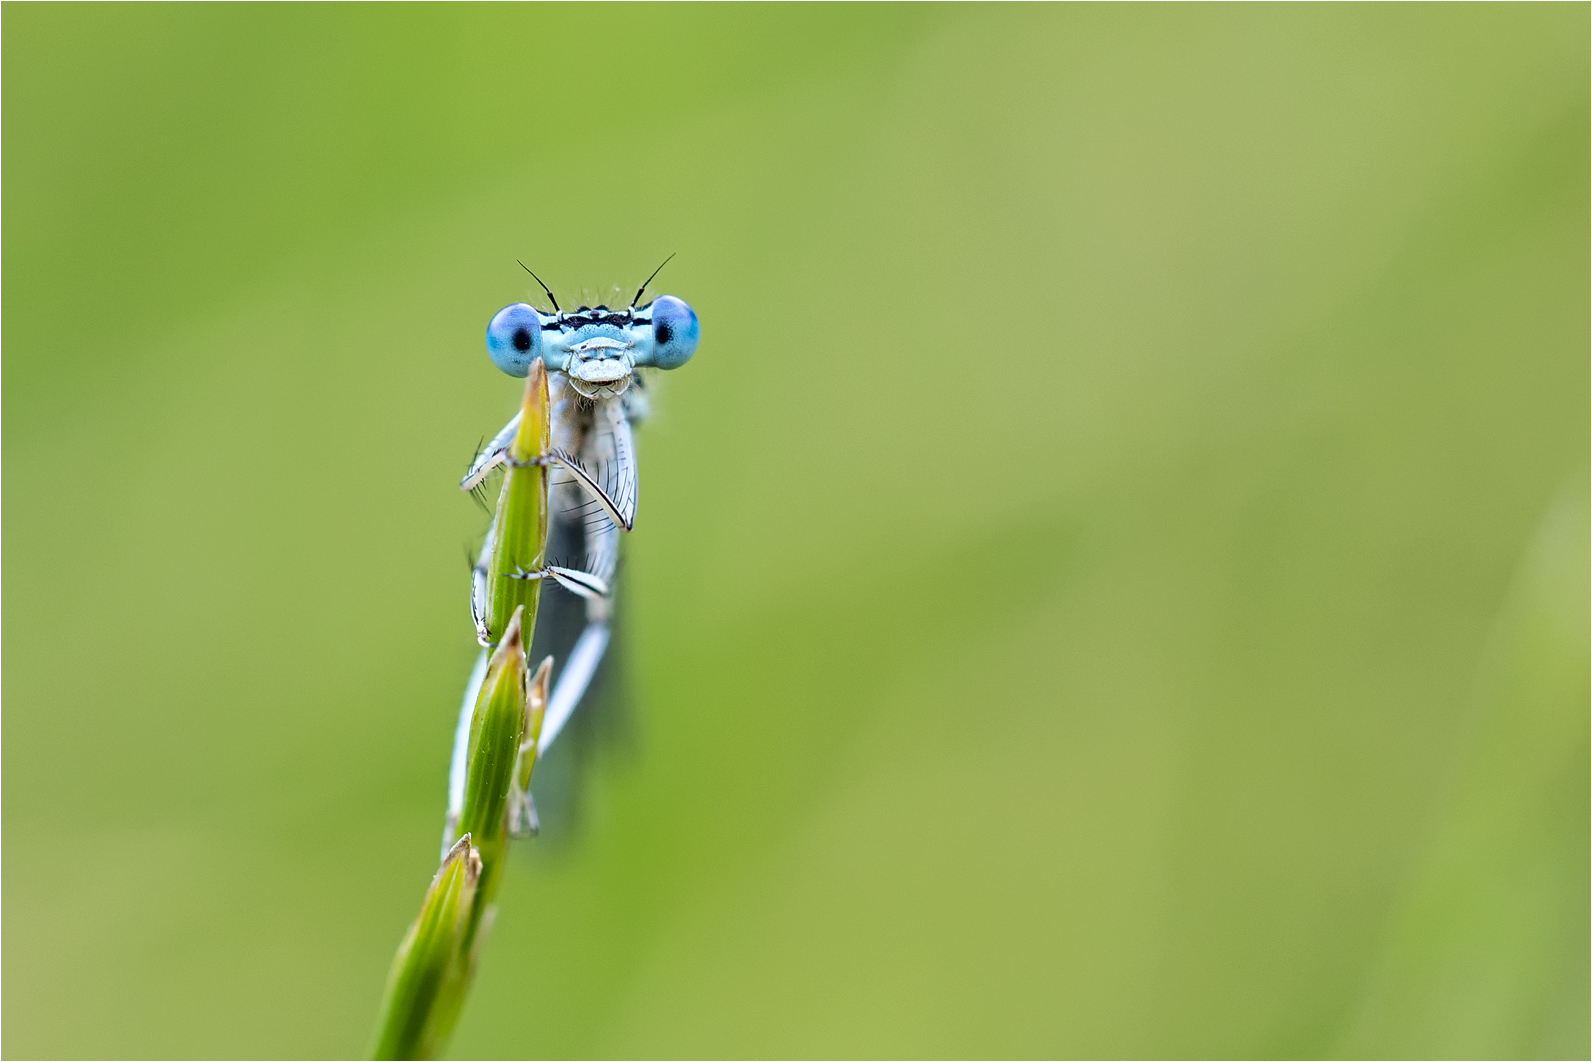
(597, 360)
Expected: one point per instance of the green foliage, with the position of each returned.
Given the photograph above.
(496, 731)
(429, 953)
(434, 966)
(519, 525)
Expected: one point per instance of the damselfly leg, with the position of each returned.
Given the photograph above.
(593, 490)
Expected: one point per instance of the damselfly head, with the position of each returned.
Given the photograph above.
(598, 348)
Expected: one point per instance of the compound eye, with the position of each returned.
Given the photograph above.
(514, 338)
(674, 332)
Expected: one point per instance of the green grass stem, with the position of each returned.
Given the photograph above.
(430, 950)
(432, 971)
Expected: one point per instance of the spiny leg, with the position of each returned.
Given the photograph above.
(491, 455)
(587, 584)
(612, 486)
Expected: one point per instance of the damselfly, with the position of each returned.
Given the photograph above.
(597, 390)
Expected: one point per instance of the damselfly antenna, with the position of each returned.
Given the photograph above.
(644, 283)
(549, 292)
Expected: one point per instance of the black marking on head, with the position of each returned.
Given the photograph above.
(539, 281)
(588, 315)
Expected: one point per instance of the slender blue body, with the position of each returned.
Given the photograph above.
(592, 355)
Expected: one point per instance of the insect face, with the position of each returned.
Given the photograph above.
(600, 361)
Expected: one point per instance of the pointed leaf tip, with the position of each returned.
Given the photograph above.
(531, 438)
(512, 641)
(535, 711)
(496, 733)
(462, 850)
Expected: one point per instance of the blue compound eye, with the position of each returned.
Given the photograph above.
(514, 338)
(674, 332)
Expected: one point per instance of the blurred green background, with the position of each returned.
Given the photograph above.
(1113, 580)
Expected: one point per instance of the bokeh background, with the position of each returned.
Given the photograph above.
(1113, 580)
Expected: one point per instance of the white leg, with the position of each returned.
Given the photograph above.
(612, 487)
(586, 584)
(480, 592)
(605, 468)
(611, 508)
(491, 455)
